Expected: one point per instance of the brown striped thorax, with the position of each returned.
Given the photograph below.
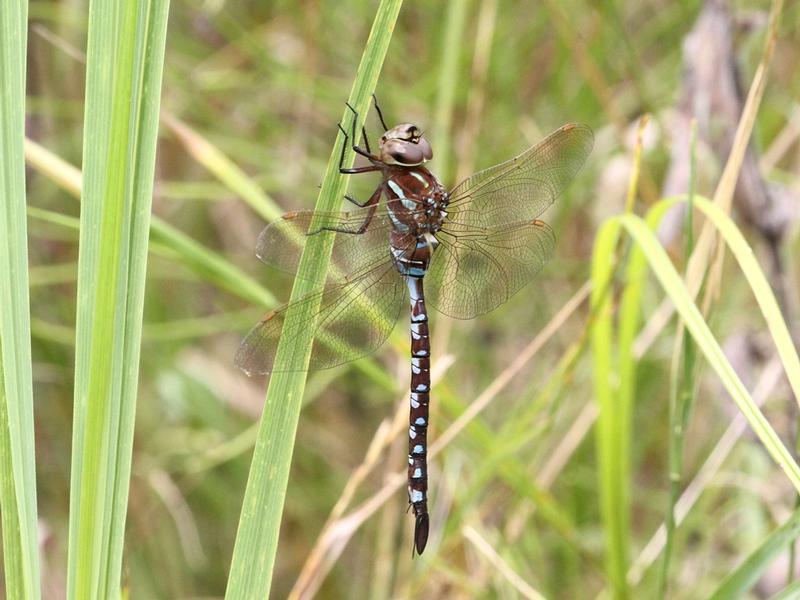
(416, 200)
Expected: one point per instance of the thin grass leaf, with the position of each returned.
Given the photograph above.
(747, 264)
(123, 83)
(723, 195)
(259, 525)
(698, 265)
(223, 168)
(18, 477)
(617, 420)
(675, 289)
(609, 368)
(762, 291)
(747, 574)
(790, 592)
(613, 479)
(452, 44)
(616, 397)
(682, 389)
(14, 548)
(193, 254)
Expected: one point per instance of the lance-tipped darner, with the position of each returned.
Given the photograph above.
(473, 247)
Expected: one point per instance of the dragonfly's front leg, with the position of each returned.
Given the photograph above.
(354, 170)
(380, 113)
(367, 153)
(357, 149)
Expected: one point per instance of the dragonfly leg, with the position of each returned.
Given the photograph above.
(352, 170)
(356, 202)
(358, 231)
(356, 170)
(344, 147)
(373, 206)
(378, 110)
(363, 129)
(357, 149)
(366, 153)
(373, 200)
(372, 203)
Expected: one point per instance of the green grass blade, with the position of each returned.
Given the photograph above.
(612, 475)
(674, 287)
(756, 279)
(613, 392)
(18, 478)
(210, 264)
(14, 548)
(682, 391)
(194, 255)
(259, 525)
(123, 83)
(748, 573)
(790, 592)
(761, 289)
(452, 44)
(223, 168)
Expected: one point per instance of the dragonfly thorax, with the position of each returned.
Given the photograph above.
(417, 202)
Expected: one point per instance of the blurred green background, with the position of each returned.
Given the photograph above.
(252, 93)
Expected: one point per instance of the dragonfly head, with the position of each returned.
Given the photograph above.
(404, 145)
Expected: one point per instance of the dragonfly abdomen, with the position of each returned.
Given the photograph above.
(418, 416)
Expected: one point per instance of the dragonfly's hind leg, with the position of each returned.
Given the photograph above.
(373, 199)
(356, 202)
(372, 203)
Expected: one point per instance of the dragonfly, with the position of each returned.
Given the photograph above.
(464, 252)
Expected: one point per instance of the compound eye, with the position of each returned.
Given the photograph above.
(408, 155)
(403, 152)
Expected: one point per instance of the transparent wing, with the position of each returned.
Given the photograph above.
(475, 272)
(352, 319)
(281, 243)
(519, 190)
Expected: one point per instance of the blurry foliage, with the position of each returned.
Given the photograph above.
(264, 83)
